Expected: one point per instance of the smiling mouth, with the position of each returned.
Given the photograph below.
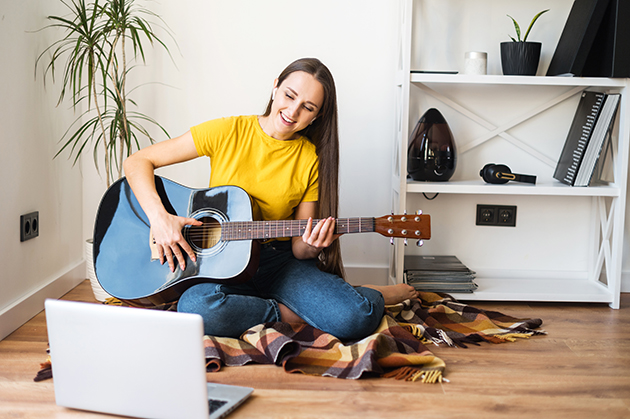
(286, 119)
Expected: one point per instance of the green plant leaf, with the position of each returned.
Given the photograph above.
(532, 24)
(517, 28)
(94, 63)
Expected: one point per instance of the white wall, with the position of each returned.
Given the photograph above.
(48, 265)
(452, 27)
(229, 53)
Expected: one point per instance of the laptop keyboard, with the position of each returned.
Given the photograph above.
(214, 405)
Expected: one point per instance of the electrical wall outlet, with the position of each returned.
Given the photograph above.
(29, 226)
(496, 215)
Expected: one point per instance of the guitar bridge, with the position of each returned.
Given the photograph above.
(155, 255)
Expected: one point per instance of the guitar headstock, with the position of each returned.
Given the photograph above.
(406, 226)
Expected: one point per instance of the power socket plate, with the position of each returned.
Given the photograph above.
(496, 215)
(29, 226)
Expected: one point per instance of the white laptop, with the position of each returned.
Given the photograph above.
(133, 362)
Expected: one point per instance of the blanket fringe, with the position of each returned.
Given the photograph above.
(415, 374)
(512, 337)
(112, 301)
(426, 337)
(45, 372)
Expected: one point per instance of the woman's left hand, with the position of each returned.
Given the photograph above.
(315, 239)
(320, 236)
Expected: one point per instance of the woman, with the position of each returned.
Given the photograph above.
(287, 160)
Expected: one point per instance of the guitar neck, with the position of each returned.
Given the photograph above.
(264, 230)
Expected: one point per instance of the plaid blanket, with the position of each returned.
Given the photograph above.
(396, 349)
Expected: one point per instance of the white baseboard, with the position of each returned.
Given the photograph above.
(361, 275)
(378, 275)
(30, 305)
(625, 281)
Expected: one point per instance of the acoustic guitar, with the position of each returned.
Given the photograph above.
(226, 245)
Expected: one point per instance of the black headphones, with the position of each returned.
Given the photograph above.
(500, 173)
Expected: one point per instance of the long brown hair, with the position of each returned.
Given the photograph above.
(323, 132)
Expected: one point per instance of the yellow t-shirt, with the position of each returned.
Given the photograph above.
(278, 175)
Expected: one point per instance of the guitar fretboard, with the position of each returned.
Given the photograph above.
(254, 230)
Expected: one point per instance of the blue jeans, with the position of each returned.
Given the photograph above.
(323, 300)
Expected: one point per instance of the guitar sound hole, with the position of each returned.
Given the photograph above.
(207, 235)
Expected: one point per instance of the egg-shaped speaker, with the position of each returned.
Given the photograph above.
(431, 155)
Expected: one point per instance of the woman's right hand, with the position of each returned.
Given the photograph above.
(169, 240)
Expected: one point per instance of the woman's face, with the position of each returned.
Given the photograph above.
(297, 101)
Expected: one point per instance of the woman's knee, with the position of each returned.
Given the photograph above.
(207, 301)
(226, 313)
(363, 320)
(198, 298)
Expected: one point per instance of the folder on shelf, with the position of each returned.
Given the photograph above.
(591, 125)
(578, 137)
(602, 131)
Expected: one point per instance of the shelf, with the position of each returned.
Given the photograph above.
(518, 80)
(478, 187)
(604, 205)
(548, 290)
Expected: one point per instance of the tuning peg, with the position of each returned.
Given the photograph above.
(419, 243)
(391, 241)
(419, 212)
(406, 242)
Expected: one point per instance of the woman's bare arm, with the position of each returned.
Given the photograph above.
(166, 228)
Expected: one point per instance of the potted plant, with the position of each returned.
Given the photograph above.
(520, 57)
(101, 44)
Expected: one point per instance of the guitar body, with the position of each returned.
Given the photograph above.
(122, 255)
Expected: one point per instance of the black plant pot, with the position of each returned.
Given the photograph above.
(520, 58)
(431, 154)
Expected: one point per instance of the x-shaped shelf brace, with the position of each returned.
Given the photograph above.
(501, 131)
(606, 228)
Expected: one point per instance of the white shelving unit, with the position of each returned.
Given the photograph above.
(601, 281)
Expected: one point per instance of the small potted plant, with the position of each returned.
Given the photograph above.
(520, 57)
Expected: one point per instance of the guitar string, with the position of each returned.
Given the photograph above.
(292, 224)
(198, 231)
(263, 228)
(271, 225)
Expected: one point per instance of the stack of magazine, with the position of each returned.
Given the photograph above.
(439, 274)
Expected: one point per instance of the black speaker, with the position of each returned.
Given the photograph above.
(431, 154)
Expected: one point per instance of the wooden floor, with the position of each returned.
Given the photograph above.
(581, 369)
